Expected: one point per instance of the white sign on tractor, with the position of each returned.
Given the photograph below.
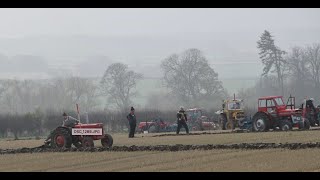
(87, 131)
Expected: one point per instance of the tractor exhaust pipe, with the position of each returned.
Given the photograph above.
(87, 118)
(78, 112)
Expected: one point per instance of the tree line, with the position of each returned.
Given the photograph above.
(33, 107)
(293, 72)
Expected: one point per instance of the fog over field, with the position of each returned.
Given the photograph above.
(51, 43)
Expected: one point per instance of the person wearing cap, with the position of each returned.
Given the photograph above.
(182, 120)
(132, 122)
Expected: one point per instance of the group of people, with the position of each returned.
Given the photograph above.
(70, 121)
(181, 121)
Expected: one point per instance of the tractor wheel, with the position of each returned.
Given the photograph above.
(230, 125)
(261, 123)
(286, 125)
(61, 138)
(76, 141)
(152, 129)
(77, 144)
(222, 121)
(306, 124)
(87, 142)
(107, 141)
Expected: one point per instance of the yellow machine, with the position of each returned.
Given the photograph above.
(232, 114)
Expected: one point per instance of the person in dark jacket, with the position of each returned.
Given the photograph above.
(182, 120)
(132, 122)
(310, 105)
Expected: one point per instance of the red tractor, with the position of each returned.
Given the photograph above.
(273, 113)
(81, 135)
(156, 125)
(198, 121)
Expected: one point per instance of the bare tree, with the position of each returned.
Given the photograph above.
(313, 57)
(81, 90)
(190, 76)
(118, 84)
(271, 56)
(299, 71)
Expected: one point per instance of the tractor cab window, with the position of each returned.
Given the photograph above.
(262, 103)
(279, 101)
(194, 114)
(235, 105)
(270, 103)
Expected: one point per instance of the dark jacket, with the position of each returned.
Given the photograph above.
(132, 118)
(180, 114)
(309, 104)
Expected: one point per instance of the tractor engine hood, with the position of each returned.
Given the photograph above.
(95, 125)
(289, 112)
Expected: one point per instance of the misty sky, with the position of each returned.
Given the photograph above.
(109, 22)
(143, 37)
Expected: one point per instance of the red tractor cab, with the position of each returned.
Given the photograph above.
(273, 113)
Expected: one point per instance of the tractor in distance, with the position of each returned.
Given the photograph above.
(232, 115)
(274, 114)
(197, 121)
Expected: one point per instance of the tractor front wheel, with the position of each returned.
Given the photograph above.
(286, 125)
(87, 142)
(107, 141)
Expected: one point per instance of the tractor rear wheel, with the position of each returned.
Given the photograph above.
(107, 141)
(61, 138)
(286, 125)
(87, 142)
(261, 123)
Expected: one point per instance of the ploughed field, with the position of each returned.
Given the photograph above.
(213, 151)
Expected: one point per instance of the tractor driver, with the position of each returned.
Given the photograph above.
(68, 121)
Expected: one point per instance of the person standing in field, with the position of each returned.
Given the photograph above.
(182, 120)
(132, 122)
